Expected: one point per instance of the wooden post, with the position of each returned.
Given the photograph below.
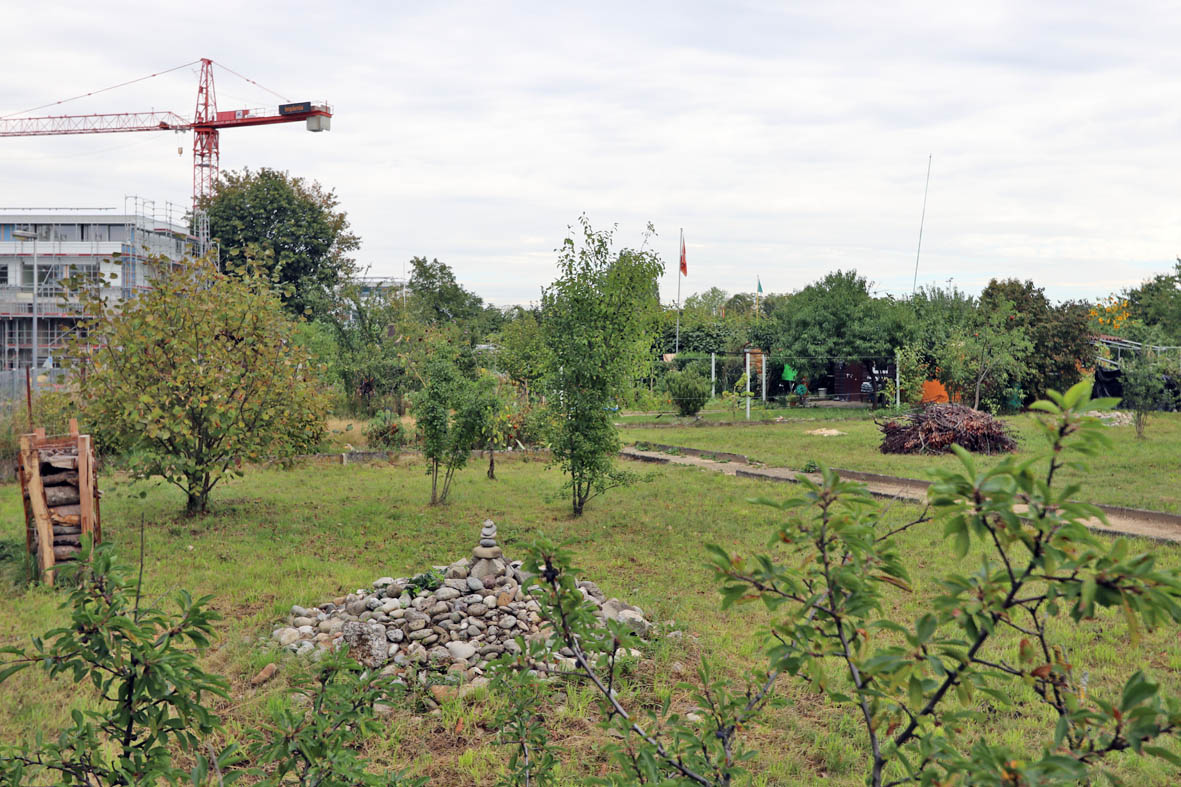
(31, 459)
(30, 526)
(85, 483)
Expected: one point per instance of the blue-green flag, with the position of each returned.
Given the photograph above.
(760, 281)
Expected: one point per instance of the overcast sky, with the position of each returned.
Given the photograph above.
(788, 139)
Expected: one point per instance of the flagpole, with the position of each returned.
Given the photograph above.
(677, 346)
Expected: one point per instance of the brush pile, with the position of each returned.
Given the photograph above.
(933, 430)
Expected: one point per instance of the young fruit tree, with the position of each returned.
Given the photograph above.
(989, 352)
(598, 319)
(451, 413)
(196, 375)
(995, 636)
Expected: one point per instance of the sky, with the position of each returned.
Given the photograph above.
(786, 139)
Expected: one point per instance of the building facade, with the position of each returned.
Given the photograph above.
(124, 249)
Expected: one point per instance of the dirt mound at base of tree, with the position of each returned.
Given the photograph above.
(935, 428)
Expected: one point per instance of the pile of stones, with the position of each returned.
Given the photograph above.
(471, 618)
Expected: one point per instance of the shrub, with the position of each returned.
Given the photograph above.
(689, 391)
(385, 430)
(153, 692)
(197, 374)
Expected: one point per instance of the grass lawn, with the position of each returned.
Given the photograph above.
(280, 537)
(1139, 473)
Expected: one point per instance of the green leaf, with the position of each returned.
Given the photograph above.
(1138, 689)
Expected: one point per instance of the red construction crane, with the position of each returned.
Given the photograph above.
(206, 125)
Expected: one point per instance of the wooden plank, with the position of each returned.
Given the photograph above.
(63, 495)
(40, 432)
(86, 487)
(73, 427)
(40, 511)
(30, 529)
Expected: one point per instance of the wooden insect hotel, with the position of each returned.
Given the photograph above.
(60, 491)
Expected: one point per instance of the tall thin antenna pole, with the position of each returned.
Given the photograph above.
(677, 345)
(915, 286)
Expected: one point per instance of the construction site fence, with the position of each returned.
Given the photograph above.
(13, 385)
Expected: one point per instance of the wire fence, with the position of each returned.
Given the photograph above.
(13, 382)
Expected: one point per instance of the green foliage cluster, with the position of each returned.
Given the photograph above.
(652, 745)
(196, 375)
(689, 391)
(355, 326)
(1155, 309)
(597, 321)
(425, 582)
(154, 700)
(385, 430)
(917, 688)
(293, 226)
(451, 412)
(1145, 390)
(135, 656)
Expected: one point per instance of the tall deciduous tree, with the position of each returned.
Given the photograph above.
(197, 374)
(597, 319)
(1059, 336)
(295, 226)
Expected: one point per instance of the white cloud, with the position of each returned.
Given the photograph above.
(787, 141)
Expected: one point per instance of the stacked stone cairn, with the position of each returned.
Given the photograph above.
(472, 618)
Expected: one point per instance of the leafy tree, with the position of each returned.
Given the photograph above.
(916, 687)
(705, 305)
(836, 318)
(450, 414)
(295, 226)
(992, 352)
(1059, 336)
(911, 374)
(597, 319)
(1157, 303)
(521, 350)
(938, 314)
(197, 374)
(438, 297)
(153, 699)
(1145, 389)
(153, 696)
(369, 362)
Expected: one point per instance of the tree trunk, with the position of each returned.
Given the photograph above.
(491, 463)
(197, 503)
(435, 484)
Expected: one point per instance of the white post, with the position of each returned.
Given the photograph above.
(713, 375)
(747, 351)
(763, 375)
(897, 381)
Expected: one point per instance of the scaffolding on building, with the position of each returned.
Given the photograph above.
(131, 243)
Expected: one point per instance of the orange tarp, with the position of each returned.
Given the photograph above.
(933, 391)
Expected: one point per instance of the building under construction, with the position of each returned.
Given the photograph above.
(41, 248)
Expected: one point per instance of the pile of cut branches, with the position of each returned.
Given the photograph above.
(933, 430)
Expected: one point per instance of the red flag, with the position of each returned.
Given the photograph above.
(684, 265)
